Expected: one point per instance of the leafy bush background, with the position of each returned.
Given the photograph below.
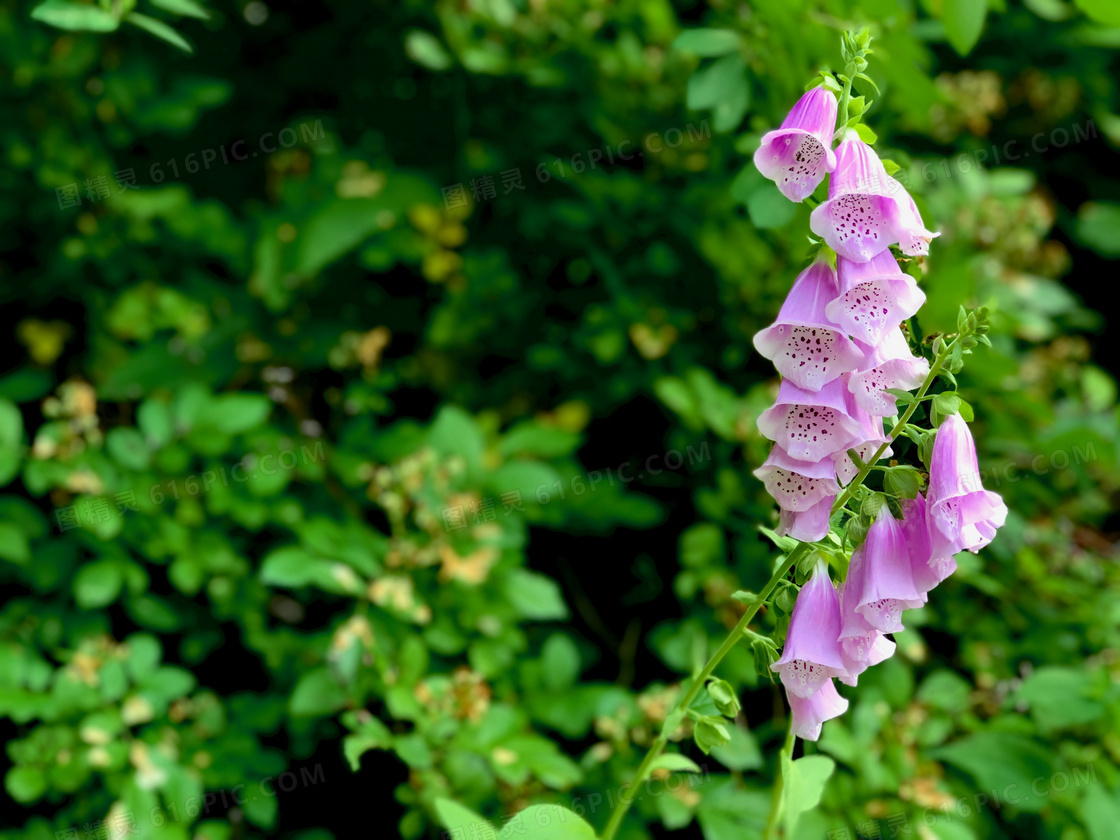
(322, 300)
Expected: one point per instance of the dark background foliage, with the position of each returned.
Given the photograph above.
(511, 435)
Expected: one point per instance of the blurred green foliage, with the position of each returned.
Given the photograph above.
(313, 331)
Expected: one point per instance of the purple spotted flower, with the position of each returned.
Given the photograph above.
(797, 485)
(798, 155)
(810, 713)
(880, 581)
(804, 490)
(962, 515)
(875, 297)
(810, 425)
(808, 349)
(867, 210)
(811, 655)
(889, 364)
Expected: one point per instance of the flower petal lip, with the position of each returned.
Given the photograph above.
(809, 714)
(796, 485)
(810, 425)
(887, 581)
(962, 515)
(803, 344)
(798, 155)
(875, 297)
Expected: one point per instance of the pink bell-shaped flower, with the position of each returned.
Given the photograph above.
(875, 297)
(812, 651)
(798, 155)
(928, 571)
(890, 364)
(797, 485)
(805, 347)
(883, 584)
(810, 425)
(962, 515)
(810, 713)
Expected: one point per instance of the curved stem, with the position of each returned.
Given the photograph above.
(626, 800)
(776, 796)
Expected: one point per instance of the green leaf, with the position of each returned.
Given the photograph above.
(721, 86)
(188, 8)
(708, 43)
(1102, 11)
(1097, 223)
(547, 822)
(26, 784)
(803, 783)
(997, 760)
(866, 134)
(372, 735)
(159, 29)
(534, 596)
(741, 752)
(316, 694)
(127, 448)
(234, 414)
(560, 661)
(675, 762)
(97, 584)
(75, 16)
(946, 403)
(14, 545)
(426, 50)
(964, 20)
(462, 821)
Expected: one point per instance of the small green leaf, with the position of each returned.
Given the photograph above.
(159, 29)
(946, 403)
(426, 50)
(187, 8)
(97, 584)
(74, 16)
(866, 134)
(462, 821)
(547, 822)
(675, 762)
(708, 43)
(803, 783)
(964, 20)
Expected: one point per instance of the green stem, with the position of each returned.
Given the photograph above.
(896, 429)
(625, 801)
(844, 98)
(779, 784)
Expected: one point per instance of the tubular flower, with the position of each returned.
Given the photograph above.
(798, 155)
(808, 425)
(812, 653)
(885, 584)
(875, 297)
(928, 570)
(890, 364)
(810, 713)
(805, 347)
(861, 645)
(797, 485)
(962, 515)
(859, 218)
(807, 525)
(913, 238)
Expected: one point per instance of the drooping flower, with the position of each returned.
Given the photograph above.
(805, 347)
(798, 155)
(867, 210)
(962, 515)
(890, 364)
(883, 585)
(875, 297)
(810, 713)
(859, 218)
(812, 651)
(861, 645)
(807, 525)
(866, 442)
(810, 425)
(928, 570)
(797, 485)
(912, 237)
